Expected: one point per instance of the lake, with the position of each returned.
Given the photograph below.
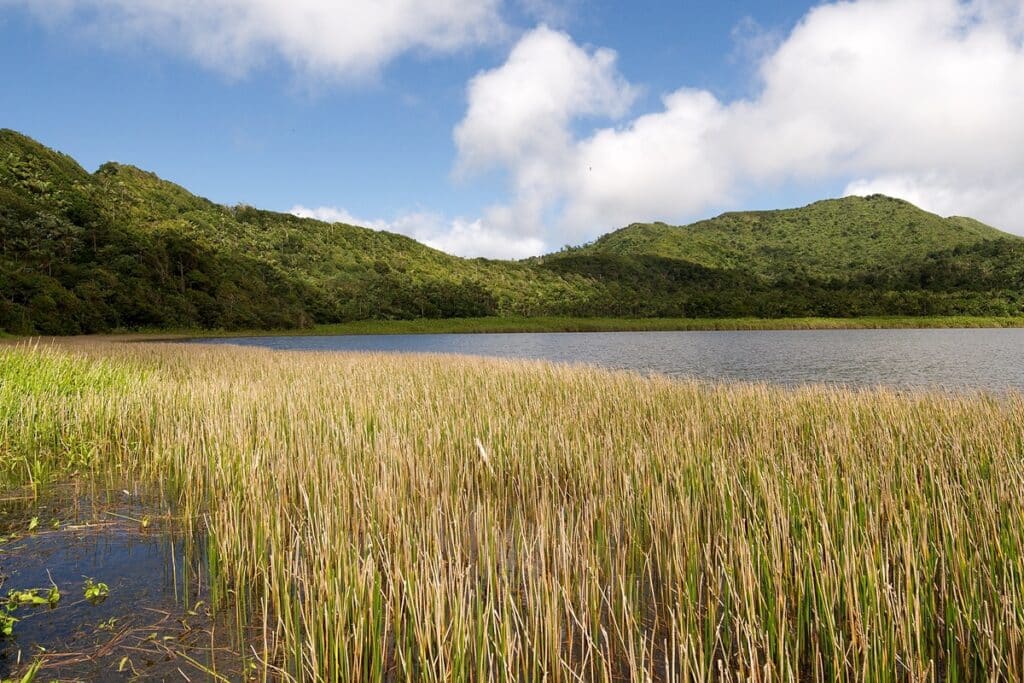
(950, 358)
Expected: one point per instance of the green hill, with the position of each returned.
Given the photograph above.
(831, 238)
(122, 248)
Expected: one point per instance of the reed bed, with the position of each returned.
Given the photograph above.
(431, 518)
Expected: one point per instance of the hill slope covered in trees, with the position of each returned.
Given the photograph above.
(829, 239)
(121, 248)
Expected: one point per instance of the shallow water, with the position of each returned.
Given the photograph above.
(991, 359)
(156, 607)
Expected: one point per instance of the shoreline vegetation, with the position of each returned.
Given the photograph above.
(509, 325)
(377, 517)
(566, 324)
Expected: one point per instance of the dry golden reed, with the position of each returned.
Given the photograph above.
(383, 517)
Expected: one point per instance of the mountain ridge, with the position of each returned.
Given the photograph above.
(123, 248)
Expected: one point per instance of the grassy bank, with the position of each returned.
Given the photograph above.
(562, 324)
(441, 518)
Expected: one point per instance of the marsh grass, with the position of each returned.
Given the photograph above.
(42, 392)
(437, 518)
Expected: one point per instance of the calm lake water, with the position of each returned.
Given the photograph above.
(976, 358)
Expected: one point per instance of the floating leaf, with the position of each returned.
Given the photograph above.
(95, 592)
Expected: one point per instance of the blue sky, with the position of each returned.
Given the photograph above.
(293, 119)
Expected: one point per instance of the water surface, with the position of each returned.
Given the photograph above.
(951, 358)
(157, 611)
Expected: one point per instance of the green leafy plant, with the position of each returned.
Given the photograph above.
(31, 597)
(26, 597)
(95, 592)
(7, 623)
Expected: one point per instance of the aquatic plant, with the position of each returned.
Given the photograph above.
(7, 622)
(95, 592)
(33, 597)
(30, 597)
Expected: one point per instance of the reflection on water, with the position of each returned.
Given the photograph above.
(970, 358)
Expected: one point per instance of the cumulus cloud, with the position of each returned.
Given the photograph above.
(521, 111)
(520, 118)
(922, 98)
(457, 236)
(339, 39)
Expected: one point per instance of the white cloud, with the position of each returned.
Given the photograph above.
(923, 98)
(458, 236)
(333, 214)
(475, 238)
(520, 112)
(343, 39)
(520, 116)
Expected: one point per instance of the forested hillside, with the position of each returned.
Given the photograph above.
(120, 249)
(828, 239)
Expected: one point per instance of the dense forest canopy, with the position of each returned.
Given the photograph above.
(121, 248)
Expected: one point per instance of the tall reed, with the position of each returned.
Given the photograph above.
(443, 519)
